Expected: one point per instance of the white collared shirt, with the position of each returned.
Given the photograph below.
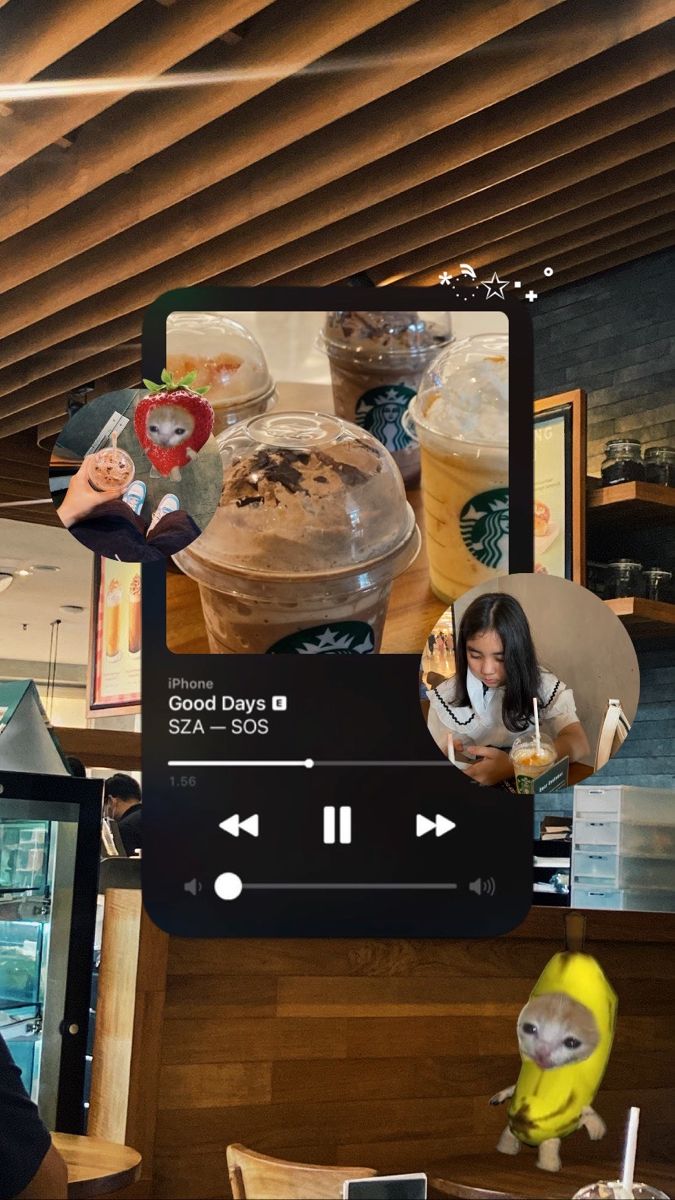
(481, 722)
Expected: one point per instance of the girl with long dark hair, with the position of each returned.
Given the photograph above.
(488, 702)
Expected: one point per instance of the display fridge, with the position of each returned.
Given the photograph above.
(49, 856)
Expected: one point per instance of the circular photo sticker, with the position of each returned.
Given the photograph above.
(136, 475)
(529, 683)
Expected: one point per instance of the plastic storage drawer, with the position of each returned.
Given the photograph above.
(638, 899)
(595, 833)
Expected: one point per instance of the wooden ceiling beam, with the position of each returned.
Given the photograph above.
(47, 362)
(292, 176)
(559, 253)
(168, 36)
(56, 407)
(363, 190)
(266, 185)
(584, 265)
(608, 233)
(480, 244)
(500, 125)
(33, 35)
(62, 382)
(117, 141)
(500, 187)
(572, 271)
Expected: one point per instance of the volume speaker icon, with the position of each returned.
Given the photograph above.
(193, 886)
(485, 887)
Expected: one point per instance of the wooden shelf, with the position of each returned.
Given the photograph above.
(644, 618)
(643, 504)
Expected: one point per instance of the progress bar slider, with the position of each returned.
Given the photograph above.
(441, 825)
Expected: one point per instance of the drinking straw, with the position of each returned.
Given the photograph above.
(451, 750)
(630, 1150)
(113, 439)
(537, 733)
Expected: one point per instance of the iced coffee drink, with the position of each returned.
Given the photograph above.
(226, 359)
(113, 605)
(461, 417)
(110, 468)
(530, 759)
(376, 362)
(135, 615)
(312, 527)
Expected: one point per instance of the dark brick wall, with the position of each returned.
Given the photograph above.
(614, 336)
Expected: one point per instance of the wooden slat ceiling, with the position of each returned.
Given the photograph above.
(304, 143)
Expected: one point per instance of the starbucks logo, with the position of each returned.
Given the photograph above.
(484, 525)
(380, 410)
(340, 637)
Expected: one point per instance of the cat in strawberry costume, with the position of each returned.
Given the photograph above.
(172, 423)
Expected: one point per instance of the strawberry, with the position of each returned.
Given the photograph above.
(176, 394)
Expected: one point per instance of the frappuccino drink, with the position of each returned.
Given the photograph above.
(227, 360)
(461, 417)
(376, 362)
(110, 468)
(530, 759)
(312, 527)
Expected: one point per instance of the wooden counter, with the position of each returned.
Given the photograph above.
(379, 1053)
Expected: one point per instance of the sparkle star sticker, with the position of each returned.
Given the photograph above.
(495, 286)
(445, 277)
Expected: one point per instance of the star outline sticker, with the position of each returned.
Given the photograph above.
(495, 286)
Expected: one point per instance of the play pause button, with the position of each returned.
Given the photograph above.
(439, 825)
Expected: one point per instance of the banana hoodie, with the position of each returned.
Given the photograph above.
(549, 1103)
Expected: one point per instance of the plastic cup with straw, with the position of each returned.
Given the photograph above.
(624, 1188)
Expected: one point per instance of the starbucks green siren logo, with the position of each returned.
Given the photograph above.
(340, 637)
(380, 410)
(484, 525)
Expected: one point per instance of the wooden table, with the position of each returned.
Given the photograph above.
(95, 1167)
(477, 1177)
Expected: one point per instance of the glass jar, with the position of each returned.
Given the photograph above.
(625, 578)
(622, 463)
(660, 465)
(656, 582)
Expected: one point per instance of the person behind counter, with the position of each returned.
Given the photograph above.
(122, 798)
(30, 1166)
(487, 704)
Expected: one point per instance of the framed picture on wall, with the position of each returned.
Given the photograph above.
(114, 680)
(560, 485)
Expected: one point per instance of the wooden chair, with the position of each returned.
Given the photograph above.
(613, 733)
(258, 1177)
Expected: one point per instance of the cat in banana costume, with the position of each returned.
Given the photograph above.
(565, 1034)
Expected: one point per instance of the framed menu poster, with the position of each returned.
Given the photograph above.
(560, 486)
(114, 683)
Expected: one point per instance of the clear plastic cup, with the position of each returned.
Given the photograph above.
(531, 760)
(460, 416)
(614, 1190)
(110, 468)
(376, 362)
(312, 527)
(226, 358)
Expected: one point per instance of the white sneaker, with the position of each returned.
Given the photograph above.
(168, 504)
(135, 496)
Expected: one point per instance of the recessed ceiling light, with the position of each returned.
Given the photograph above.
(72, 608)
(45, 567)
(24, 571)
